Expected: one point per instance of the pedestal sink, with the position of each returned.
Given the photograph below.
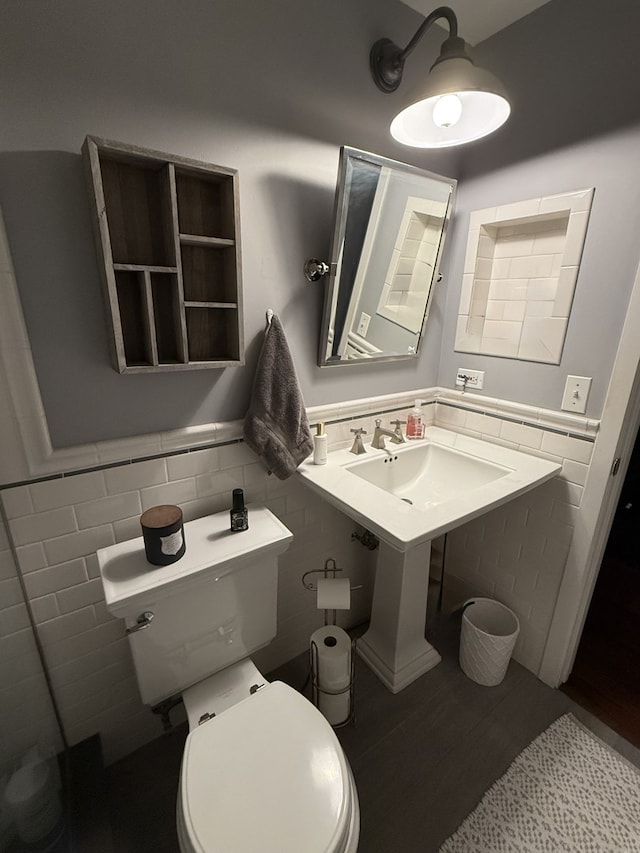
(408, 495)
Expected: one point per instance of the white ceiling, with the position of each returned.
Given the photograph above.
(479, 19)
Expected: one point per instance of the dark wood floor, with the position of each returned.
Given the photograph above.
(422, 759)
(606, 675)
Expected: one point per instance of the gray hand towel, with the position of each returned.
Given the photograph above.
(276, 425)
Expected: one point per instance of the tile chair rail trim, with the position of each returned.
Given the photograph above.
(230, 432)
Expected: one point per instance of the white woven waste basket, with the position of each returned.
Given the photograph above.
(488, 636)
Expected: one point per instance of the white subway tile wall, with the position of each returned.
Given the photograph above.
(26, 711)
(58, 525)
(516, 554)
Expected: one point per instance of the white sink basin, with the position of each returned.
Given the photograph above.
(408, 496)
(428, 474)
(421, 489)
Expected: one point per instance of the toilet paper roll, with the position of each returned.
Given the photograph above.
(334, 594)
(331, 659)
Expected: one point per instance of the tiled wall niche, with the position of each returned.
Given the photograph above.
(520, 274)
(516, 553)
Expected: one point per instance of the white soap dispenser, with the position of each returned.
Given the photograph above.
(320, 445)
(415, 424)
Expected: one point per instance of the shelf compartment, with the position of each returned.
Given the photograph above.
(206, 203)
(134, 316)
(209, 273)
(150, 318)
(167, 320)
(138, 210)
(212, 333)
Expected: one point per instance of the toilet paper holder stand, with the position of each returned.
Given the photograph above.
(329, 571)
(317, 691)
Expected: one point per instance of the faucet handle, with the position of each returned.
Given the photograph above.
(398, 430)
(358, 446)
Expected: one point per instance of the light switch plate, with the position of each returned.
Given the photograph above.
(576, 392)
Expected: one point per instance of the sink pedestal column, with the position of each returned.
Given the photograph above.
(394, 647)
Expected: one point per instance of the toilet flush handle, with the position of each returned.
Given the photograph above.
(143, 621)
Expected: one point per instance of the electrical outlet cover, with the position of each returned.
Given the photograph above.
(363, 325)
(466, 378)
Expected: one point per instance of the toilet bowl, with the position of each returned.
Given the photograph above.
(266, 774)
(262, 770)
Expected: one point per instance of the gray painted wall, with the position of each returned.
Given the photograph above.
(574, 76)
(273, 89)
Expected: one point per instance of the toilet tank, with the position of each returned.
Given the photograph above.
(216, 605)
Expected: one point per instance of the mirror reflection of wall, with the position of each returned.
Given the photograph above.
(406, 287)
(389, 233)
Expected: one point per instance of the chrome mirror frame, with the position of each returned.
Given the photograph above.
(315, 269)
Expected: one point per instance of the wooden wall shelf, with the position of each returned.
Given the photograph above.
(168, 235)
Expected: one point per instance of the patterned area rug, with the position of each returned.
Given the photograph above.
(567, 792)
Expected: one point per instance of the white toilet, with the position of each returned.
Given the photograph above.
(262, 769)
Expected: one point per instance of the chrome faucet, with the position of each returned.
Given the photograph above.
(380, 432)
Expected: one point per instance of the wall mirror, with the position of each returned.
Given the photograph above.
(390, 224)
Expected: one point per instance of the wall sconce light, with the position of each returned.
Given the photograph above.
(457, 103)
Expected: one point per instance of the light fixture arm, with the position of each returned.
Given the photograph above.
(432, 17)
(387, 60)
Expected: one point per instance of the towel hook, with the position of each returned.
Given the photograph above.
(269, 316)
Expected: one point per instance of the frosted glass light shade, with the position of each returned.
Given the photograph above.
(484, 106)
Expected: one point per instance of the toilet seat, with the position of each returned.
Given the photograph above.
(268, 775)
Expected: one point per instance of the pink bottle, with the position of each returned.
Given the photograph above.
(415, 425)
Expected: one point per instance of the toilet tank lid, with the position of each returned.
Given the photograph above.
(267, 774)
(128, 578)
